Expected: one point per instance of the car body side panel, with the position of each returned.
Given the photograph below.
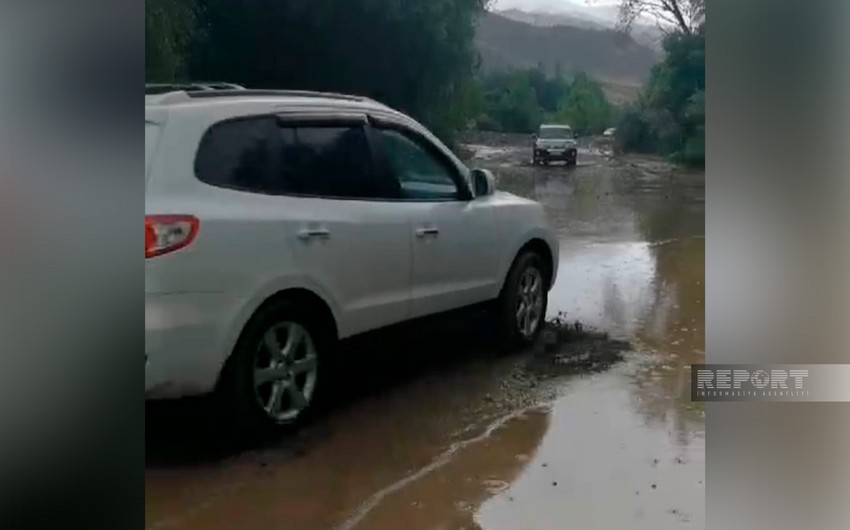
(521, 221)
(248, 249)
(199, 298)
(458, 266)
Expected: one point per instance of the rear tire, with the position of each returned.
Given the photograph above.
(277, 372)
(521, 306)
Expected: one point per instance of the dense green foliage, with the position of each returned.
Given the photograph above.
(669, 116)
(418, 57)
(170, 29)
(520, 101)
(585, 106)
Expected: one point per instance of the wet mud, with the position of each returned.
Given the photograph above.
(434, 426)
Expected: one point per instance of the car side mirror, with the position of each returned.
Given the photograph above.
(534, 137)
(483, 182)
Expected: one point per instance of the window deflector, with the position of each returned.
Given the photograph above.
(321, 119)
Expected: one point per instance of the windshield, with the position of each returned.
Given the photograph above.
(556, 133)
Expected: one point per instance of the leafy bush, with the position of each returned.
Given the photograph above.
(669, 117)
(520, 101)
(171, 27)
(634, 132)
(418, 57)
(585, 106)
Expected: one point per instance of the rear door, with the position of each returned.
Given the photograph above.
(455, 251)
(347, 240)
(347, 236)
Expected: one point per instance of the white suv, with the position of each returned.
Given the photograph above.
(279, 222)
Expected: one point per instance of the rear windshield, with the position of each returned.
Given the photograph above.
(151, 138)
(559, 133)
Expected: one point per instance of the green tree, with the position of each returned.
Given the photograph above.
(519, 101)
(669, 117)
(634, 132)
(693, 152)
(518, 110)
(170, 30)
(418, 57)
(686, 16)
(585, 106)
(550, 91)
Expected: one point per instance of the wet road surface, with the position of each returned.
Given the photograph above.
(461, 436)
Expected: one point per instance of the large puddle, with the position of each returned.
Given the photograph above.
(437, 432)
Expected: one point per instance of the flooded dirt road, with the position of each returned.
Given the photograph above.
(432, 428)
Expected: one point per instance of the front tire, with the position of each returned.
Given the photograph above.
(275, 375)
(521, 306)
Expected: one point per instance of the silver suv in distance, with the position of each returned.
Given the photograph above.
(555, 142)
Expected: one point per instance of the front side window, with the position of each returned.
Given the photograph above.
(259, 155)
(328, 162)
(421, 174)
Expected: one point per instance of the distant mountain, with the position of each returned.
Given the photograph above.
(506, 44)
(592, 17)
(545, 19)
(605, 12)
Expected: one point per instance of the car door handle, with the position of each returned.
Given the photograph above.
(309, 233)
(430, 231)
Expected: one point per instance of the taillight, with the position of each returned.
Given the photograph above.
(167, 233)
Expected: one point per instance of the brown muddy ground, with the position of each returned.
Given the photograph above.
(432, 428)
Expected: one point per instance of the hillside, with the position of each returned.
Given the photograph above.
(645, 31)
(614, 58)
(543, 19)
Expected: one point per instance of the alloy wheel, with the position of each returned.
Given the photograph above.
(529, 302)
(285, 371)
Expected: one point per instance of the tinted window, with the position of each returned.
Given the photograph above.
(421, 174)
(237, 154)
(328, 161)
(258, 155)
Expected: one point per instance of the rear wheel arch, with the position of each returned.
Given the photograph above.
(236, 390)
(314, 305)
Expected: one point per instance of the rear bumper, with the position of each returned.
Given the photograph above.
(186, 342)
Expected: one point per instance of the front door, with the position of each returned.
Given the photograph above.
(455, 255)
(347, 237)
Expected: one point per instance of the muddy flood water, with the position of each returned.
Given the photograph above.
(434, 429)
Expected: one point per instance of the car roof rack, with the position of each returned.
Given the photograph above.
(200, 90)
(164, 88)
(282, 93)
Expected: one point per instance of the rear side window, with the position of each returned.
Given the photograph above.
(260, 156)
(238, 154)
